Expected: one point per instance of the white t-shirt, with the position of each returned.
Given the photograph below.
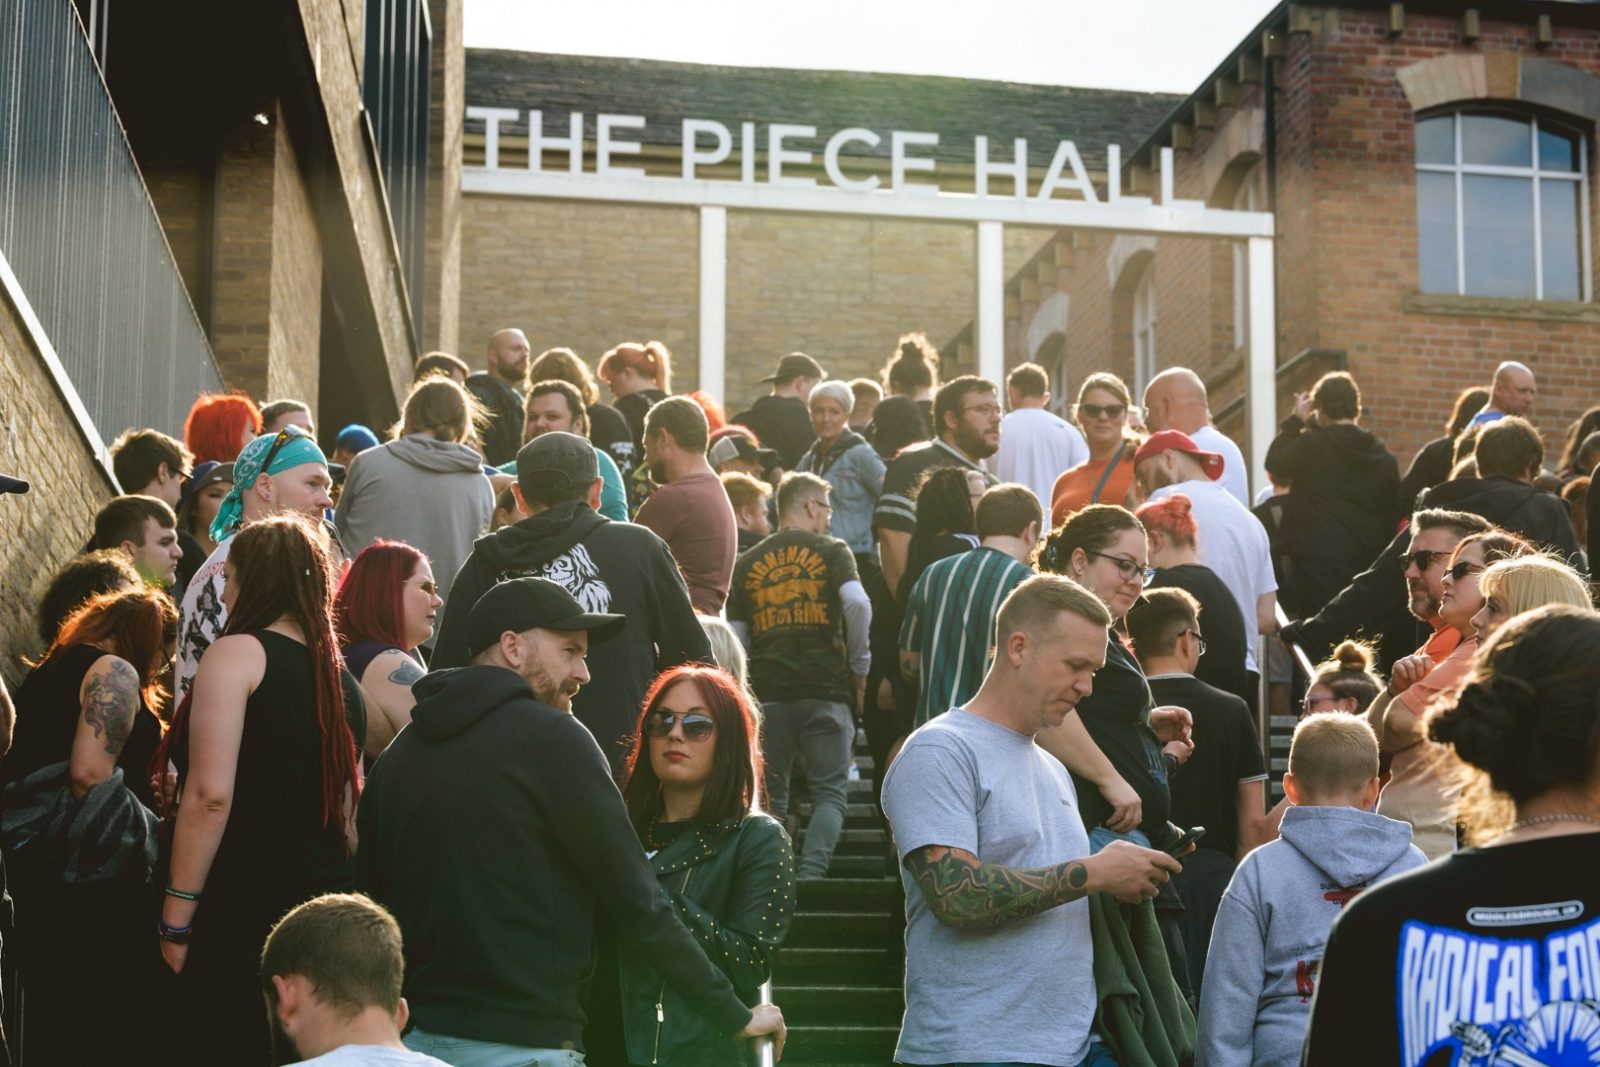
(1235, 472)
(1035, 447)
(372, 1056)
(1022, 992)
(201, 616)
(1233, 544)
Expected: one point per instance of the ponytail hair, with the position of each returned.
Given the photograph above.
(651, 359)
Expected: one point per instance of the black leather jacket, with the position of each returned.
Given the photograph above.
(733, 885)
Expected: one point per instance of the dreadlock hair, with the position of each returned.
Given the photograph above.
(282, 569)
(944, 503)
(736, 768)
(142, 622)
(370, 604)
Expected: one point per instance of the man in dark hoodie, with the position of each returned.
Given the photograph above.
(1509, 453)
(491, 829)
(607, 566)
(781, 420)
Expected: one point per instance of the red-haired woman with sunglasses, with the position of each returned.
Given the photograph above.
(691, 790)
(384, 610)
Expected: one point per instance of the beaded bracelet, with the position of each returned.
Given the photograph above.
(178, 935)
(181, 895)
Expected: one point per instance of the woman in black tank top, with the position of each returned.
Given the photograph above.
(385, 609)
(266, 748)
(85, 711)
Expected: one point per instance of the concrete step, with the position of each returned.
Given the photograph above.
(845, 929)
(881, 894)
(874, 865)
(839, 1044)
(854, 843)
(840, 1005)
(836, 966)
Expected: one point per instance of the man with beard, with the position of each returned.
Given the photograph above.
(506, 356)
(607, 566)
(966, 411)
(491, 829)
(690, 509)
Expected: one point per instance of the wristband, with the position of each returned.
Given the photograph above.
(178, 935)
(181, 895)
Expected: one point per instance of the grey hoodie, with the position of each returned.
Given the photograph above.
(1273, 924)
(429, 493)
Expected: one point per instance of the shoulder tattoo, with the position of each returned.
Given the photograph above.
(110, 703)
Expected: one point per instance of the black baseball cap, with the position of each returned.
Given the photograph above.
(559, 457)
(795, 365)
(9, 484)
(522, 604)
(738, 446)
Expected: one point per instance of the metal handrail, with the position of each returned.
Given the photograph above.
(766, 1055)
(1301, 660)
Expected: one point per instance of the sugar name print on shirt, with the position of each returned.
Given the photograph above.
(1492, 1002)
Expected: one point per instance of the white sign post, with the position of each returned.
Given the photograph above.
(1065, 198)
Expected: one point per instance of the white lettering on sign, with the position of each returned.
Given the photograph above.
(707, 143)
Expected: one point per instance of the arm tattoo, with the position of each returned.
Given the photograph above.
(110, 703)
(407, 674)
(962, 890)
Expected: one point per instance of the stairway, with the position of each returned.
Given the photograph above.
(839, 975)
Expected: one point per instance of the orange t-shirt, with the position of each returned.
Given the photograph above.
(1074, 488)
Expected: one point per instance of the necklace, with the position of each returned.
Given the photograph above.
(1560, 816)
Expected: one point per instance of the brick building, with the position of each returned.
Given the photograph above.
(267, 201)
(1344, 120)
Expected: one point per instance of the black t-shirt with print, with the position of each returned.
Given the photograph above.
(1489, 957)
(786, 590)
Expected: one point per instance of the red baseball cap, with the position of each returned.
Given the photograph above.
(1178, 441)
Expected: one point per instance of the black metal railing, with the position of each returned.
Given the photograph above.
(81, 235)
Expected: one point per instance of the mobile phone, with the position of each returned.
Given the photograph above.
(1181, 845)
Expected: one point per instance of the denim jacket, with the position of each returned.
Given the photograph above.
(733, 886)
(855, 471)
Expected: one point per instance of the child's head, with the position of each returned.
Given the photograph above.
(1333, 762)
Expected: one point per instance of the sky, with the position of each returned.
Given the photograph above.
(1146, 45)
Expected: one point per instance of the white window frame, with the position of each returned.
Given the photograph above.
(1144, 329)
(1245, 198)
(1534, 175)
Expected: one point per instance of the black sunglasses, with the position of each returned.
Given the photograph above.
(277, 443)
(1094, 411)
(1462, 569)
(696, 727)
(1423, 558)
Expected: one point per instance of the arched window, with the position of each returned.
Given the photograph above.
(1501, 206)
(1245, 198)
(1144, 330)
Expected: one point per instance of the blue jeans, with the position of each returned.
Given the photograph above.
(1100, 837)
(465, 1052)
(821, 733)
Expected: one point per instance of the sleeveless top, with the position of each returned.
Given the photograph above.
(275, 851)
(48, 709)
(359, 656)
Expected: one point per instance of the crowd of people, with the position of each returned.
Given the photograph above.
(482, 740)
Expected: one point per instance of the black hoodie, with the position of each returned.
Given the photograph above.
(607, 566)
(492, 830)
(783, 423)
(1375, 599)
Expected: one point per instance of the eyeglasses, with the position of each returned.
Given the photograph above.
(429, 587)
(1128, 567)
(1423, 558)
(1462, 569)
(984, 409)
(1309, 704)
(696, 727)
(1095, 411)
(1192, 632)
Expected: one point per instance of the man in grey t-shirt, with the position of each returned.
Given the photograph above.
(999, 958)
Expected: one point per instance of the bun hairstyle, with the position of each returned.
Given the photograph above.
(1529, 717)
(1173, 516)
(913, 367)
(651, 359)
(1347, 672)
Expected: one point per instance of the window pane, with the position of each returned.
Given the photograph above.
(1557, 151)
(1558, 206)
(1497, 214)
(1495, 140)
(1436, 232)
(1435, 140)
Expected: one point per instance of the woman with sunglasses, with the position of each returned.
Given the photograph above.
(1424, 782)
(1107, 475)
(692, 792)
(385, 608)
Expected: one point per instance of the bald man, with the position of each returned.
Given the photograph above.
(1511, 393)
(1176, 399)
(506, 356)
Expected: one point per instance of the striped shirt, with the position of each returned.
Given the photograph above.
(950, 622)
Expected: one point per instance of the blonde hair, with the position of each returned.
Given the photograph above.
(1333, 754)
(650, 359)
(1530, 582)
(727, 650)
(563, 365)
(1347, 672)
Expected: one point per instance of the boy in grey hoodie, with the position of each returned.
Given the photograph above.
(1274, 919)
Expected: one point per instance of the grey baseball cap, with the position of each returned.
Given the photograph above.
(560, 458)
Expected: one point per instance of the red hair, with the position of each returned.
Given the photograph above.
(1172, 516)
(141, 622)
(216, 425)
(369, 605)
(736, 768)
(716, 418)
(650, 359)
